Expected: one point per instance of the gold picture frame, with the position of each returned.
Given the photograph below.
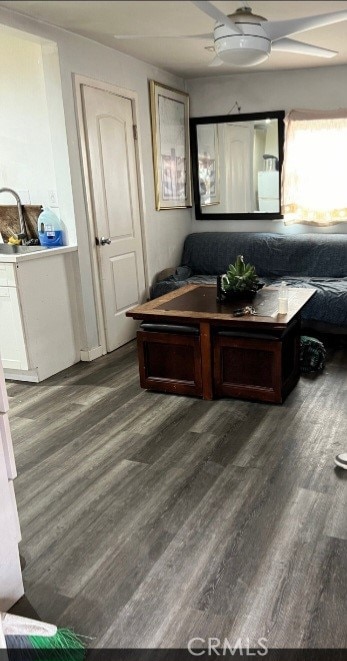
(171, 152)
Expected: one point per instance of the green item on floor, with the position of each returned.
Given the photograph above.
(31, 640)
(66, 646)
(312, 354)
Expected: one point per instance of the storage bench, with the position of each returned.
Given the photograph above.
(169, 358)
(260, 366)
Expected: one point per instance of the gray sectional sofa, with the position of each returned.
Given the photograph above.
(302, 260)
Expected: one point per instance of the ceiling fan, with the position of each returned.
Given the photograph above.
(245, 39)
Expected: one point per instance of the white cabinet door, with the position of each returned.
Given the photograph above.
(12, 341)
(11, 585)
(3, 393)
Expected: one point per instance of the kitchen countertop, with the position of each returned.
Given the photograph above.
(38, 254)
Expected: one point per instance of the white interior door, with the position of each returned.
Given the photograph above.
(110, 146)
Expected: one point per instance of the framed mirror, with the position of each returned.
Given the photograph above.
(236, 165)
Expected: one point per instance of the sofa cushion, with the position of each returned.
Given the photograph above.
(329, 304)
(273, 255)
(176, 329)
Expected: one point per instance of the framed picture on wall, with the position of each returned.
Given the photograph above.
(170, 140)
(208, 157)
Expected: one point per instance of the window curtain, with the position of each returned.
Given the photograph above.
(314, 188)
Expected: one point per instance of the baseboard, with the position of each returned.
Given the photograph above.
(91, 354)
(22, 375)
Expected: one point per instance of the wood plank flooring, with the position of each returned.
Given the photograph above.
(149, 519)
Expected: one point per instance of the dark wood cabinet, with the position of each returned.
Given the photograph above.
(255, 367)
(170, 362)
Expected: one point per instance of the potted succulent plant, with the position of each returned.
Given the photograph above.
(240, 281)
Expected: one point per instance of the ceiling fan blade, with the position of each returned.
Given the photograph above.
(277, 29)
(212, 11)
(216, 62)
(208, 35)
(293, 46)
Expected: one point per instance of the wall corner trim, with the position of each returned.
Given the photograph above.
(91, 354)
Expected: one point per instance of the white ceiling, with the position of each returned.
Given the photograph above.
(100, 21)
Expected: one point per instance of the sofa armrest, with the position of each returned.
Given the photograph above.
(174, 279)
(162, 275)
(176, 272)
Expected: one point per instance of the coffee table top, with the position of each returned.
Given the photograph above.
(199, 303)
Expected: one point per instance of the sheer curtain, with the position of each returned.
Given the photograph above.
(314, 189)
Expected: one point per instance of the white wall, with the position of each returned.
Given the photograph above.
(319, 88)
(165, 230)
(26, 160)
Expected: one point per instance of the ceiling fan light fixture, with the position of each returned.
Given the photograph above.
(245, 51)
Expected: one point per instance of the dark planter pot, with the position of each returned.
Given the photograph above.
(233, 296)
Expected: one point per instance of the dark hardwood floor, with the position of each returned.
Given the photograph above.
(149, 519)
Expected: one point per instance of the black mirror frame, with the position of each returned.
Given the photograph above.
(219, 119)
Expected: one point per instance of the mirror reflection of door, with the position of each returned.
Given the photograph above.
(235, 162)
(238, 168)
(246, 155)
(238, 165)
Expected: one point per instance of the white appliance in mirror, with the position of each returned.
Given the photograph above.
(268, 191)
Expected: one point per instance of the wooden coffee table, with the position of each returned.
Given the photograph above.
(189, 343)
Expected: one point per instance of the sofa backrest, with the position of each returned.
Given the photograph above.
(316, 255)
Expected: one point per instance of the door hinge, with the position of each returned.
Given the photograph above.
(135, 131)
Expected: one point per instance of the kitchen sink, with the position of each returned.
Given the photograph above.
(8, 249)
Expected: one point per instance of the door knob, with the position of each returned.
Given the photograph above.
(103, 240)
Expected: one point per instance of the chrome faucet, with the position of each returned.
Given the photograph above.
(22, 234)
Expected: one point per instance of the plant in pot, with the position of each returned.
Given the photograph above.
(240, 281)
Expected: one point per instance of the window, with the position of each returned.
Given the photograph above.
(315, 168)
